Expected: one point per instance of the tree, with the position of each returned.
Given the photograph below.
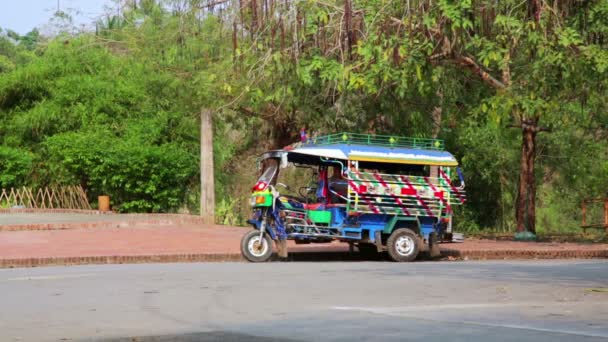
(462, 71)
(528, 57)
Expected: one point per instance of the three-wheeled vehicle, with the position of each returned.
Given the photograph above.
(385, 193)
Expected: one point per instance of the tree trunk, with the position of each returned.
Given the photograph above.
(522, 194)
(348, 27)
(525, 212)
(254, 17)
(436, 115)
(531, 182)
(234, 43)
(207, 203)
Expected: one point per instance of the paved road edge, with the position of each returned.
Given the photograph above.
(297, 256)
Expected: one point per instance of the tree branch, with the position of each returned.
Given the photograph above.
(527, 126)
(212, 3)
(485, 76)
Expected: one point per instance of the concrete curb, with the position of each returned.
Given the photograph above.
(131, 221)
(91, 225)
(118, 259)
(88, 212)
(318, 256)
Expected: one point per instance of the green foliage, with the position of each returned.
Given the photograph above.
(15, 166)
(16, 49)
(226, 212)
(6, 64)
(117, 110)
(102, 121)
(140, 177)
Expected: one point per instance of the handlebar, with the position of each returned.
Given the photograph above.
(461, 177)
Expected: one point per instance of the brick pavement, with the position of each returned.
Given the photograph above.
(195, 242)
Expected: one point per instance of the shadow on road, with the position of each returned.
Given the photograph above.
(322, 256)
(343, 256)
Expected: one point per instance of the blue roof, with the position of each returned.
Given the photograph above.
(378, 153)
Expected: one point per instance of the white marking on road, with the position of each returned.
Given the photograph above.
(50, 277)
(401, 312)
(528, 327)
(398, 309)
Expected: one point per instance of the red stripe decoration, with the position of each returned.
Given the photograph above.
(420, 200)
(371, 206)
(439, 194)
(379, 179)
(408, 192)
(358, 175)
(397, 199)
(452, 187)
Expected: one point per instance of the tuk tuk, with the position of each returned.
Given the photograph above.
(386, 193)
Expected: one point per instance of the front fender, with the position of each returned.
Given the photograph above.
(257, 225)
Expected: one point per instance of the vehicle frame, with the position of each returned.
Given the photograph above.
(399, 198)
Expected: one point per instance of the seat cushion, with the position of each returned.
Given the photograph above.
(314, 206)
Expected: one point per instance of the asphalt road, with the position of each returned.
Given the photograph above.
(298, 301)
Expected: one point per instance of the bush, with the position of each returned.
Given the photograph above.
(15, 166)
(139, 177)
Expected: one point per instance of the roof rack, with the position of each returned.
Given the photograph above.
(377, 140)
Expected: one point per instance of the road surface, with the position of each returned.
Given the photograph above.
(302, 301)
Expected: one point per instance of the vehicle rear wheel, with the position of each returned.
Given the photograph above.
(402, 245)
(255, 249)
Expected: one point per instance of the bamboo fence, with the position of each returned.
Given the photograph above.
(53, 197)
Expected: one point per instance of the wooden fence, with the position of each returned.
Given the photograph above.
(54, 197)
(595, 213)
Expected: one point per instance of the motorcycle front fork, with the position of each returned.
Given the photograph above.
(262, 228)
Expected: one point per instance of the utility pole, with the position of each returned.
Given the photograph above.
(207, 204)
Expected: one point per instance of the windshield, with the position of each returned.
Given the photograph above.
(270, 171)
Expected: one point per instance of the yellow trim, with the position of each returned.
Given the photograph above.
(263, 192)
(404, 161)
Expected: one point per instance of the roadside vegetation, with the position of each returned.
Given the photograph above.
(117, 110)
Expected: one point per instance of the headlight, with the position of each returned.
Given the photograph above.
(257, 200)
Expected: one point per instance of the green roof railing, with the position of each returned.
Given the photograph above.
(377, 140)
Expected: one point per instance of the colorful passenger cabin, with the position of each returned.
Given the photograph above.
(418, 181)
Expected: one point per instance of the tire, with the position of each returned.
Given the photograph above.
(403, 245)
(368, 251)
(253, 252)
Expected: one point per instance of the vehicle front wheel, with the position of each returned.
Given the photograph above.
(402, 245)
(255, 249)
